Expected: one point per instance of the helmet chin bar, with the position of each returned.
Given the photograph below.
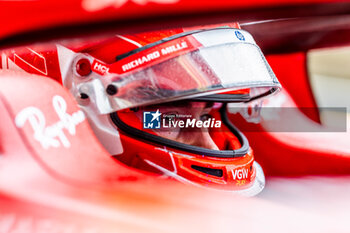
(185, 147)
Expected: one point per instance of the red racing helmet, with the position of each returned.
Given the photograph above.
(157, 100)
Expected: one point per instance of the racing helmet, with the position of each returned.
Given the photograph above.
(157, 100)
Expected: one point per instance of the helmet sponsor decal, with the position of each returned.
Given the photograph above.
(145, 58)
(99, 67)
(240, 174)
(239, 35)
(154, 55)
(51, 135)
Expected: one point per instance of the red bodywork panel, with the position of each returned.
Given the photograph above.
(296, 153)
(51, 13)
(78, 187)
(291, 70)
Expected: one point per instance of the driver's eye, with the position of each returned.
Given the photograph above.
(205, 117)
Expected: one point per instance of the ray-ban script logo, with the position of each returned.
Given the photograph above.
(51, 135)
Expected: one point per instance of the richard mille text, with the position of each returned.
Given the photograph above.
(154, 55)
